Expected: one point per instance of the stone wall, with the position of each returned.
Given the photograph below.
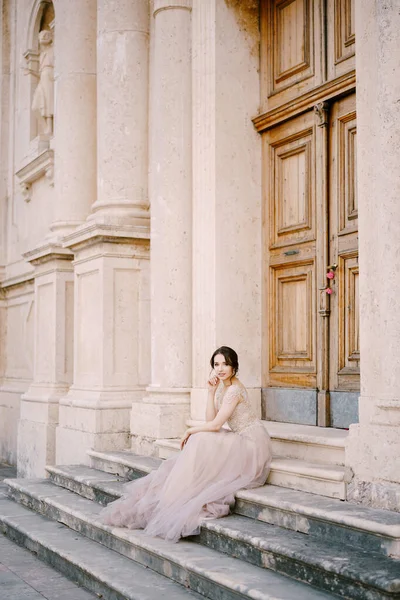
(104, 338)
(373, 449)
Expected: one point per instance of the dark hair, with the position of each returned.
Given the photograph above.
(231, 358)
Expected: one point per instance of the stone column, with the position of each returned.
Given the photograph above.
(122, 109)
(374, 445)
(163, 413)
(75, 113)
(5, 113)
(226, 193)
(53, 359)
(204, 88)
(112, 247)
(74, 146)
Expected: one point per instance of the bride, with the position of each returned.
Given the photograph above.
(200, 482)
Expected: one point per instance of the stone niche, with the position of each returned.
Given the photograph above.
(39, 68)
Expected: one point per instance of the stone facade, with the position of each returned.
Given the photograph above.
(373, 449)
(131, 232)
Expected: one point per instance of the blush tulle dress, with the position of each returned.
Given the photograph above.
(201, 480)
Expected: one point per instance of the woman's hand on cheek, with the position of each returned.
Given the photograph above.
(213, 380)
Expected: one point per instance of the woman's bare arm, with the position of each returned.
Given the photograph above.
(211, 410)
(226, 410)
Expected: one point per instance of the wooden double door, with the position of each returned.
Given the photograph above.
(311, 235)
(311, 365)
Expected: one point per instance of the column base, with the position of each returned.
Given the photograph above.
(143, 445)
(72, 445)
(45, 393)
(90, 427)
(10, 403)
(59, 229)
(120, 214)
(371, 449)
(377, 495)
(36, 448)
(163, 414)
(36, 432)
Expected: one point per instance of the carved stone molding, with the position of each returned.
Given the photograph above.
(305, 102)
(40, 166)
(322, 111)
(94, 234)
(46, 253)
(160, 5)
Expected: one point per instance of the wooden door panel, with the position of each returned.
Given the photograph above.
(341, 37)
(290, 178)
(292, 64)
(292, 194)
(344, 29)
(349, 349)
(347, 192)
(292, 40)
(292, 324)
(344, 320)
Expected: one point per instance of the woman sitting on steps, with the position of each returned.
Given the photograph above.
(200, 482)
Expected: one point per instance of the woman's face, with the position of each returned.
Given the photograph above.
(224, 371)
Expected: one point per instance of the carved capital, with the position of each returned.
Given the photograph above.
(322, 111)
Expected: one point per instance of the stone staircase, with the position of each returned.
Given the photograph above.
(279, 544)
(306, 458)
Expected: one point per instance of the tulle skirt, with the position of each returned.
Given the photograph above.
(196, 484)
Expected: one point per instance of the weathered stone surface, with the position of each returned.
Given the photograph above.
(373, 447)
(359, 526)
(123, 463)
(202, 569)
(87, 482)
(292, 509)
(290, 406)
(24, 577)
(97, 568)
(318, 444)
(324, 479)
(331, 566)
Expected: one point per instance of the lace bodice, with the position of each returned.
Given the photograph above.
(243, 416)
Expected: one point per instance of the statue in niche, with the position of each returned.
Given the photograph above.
(43, 98)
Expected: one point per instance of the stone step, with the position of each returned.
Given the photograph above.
(316, 478)
(351, 524)
(204, 570)
(356, 525)
(338, 569)
(97, 568)
(343, 571)
(167, 447)
(304, 442)
(123, 463)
